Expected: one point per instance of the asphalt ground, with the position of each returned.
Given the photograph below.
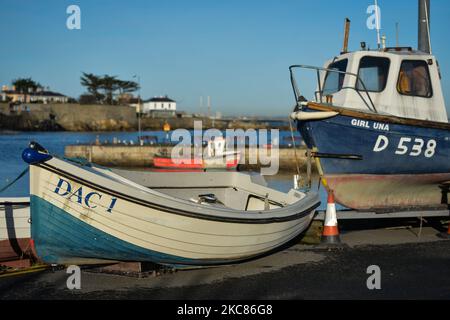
(411, 263)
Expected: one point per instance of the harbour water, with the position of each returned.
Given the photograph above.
(13, 143)
(11, 147)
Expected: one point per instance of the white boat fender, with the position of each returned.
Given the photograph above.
(305, 116)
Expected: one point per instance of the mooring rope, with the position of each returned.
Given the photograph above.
(79, 160)
(24, 172)
(295, 149)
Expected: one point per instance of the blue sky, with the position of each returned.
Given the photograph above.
(236, 51)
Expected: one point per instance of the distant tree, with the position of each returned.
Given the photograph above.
(128, 86)
(109, 84)
(93, 85)
(24, 85)
(104, 88)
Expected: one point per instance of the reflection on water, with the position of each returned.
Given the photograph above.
(12, 145)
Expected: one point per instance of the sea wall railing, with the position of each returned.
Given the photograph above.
(319, 94)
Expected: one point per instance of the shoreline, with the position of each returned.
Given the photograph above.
(104, 118)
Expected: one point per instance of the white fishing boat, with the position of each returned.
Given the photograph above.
(90, 215)
(378, 126)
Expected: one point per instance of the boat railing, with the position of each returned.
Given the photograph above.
(319, 94)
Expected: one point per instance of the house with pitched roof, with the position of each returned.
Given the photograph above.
(39, 95)
(159, 106)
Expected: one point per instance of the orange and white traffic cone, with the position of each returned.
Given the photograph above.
(330, 234)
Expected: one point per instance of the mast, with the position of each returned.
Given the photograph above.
(424, 43)
(378, 26)
(346, 35)
(397, 35)
(209, 107)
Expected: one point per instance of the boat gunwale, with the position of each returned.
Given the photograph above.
(304, 213)
(14, 201)
(379, 117)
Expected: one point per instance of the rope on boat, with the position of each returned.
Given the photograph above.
(83, 162)
(309, 154)
(295, 150)
(24, 172)
(79, 160)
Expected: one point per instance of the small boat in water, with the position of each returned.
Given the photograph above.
(167, 162)
(91, 215)
(216, 158)
(378, 127)
(15, 229)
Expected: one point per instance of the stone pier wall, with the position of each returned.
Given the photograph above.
(142, 156)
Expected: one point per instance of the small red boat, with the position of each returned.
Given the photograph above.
(197, 163)
(216, 158)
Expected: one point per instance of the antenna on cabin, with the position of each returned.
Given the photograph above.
(424, 26)
(201, 104)
(346, 35)
(209, 106)
(427, 16)
(383, 42)
(377, 18)
(397, 37)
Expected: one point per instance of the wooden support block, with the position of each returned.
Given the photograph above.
(21, 263)
(129, 267)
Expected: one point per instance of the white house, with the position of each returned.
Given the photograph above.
(159, 104)
(39, 96)
(48, 97)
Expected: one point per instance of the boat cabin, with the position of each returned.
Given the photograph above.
(398, 81)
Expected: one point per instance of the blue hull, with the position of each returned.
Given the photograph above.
(62, 239)
(338, 136)
(394, 159)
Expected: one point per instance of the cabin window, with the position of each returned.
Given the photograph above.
(414, 79)
(334, 80)
(373, 72)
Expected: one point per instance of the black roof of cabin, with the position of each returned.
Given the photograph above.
(160, 99)
(48, 94)
(35, 93)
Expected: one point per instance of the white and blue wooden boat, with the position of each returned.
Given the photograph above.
(378, 127)
(90, 215)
